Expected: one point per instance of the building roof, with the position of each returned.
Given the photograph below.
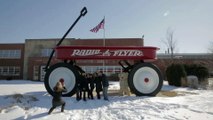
(186, 56)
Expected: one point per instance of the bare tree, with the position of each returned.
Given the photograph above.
(170, 42)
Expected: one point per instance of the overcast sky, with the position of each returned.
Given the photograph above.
(191, 21)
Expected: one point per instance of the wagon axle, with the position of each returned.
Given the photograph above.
(146, 80)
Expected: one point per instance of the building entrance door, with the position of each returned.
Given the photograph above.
(42, 72)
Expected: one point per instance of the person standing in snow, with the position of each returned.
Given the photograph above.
(98, 85)
(57, 100)
(105, 84)
(90, 80)
(84, 85)
(79, 88)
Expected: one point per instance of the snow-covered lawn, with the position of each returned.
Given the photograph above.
(29, 100)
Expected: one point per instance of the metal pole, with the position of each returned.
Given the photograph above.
(104, 44)
(104, 33)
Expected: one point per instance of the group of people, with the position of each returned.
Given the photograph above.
(85, 84)
(88, 82)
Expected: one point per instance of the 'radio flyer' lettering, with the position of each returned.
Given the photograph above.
(127, 53)
(98, 52)
(78, 52)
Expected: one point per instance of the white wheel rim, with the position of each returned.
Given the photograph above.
(62, 73)
(146, 80)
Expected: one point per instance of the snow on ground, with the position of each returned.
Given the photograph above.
(29, 100)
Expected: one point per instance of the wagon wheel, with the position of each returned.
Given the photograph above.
(145, 79)
(63, 71)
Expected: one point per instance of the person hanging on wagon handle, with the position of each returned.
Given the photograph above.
(57, 100)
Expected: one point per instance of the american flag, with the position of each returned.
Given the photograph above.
(99, 26)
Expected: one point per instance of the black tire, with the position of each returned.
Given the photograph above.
(58, 71)
(145, 79)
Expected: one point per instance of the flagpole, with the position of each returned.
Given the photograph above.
(104, 34)
(104, 44)
(96, 29)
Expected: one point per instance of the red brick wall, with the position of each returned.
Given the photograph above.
(109, 42)
(12, 62)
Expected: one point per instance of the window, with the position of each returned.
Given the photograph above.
(17, 71)
(35, 72)
(9, 71)
(15, 54)
(5, 71)
(46, 52)
(106, 69)
(42, 73)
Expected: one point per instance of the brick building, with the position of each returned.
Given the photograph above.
(11, 61)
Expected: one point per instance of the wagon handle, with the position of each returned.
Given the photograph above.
(82, 13)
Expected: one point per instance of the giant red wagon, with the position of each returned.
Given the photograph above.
(144, 77)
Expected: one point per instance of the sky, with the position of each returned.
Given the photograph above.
(190, 20)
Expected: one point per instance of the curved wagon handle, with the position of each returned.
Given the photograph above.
(82, 13)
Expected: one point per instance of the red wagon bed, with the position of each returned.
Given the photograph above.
(108, 52)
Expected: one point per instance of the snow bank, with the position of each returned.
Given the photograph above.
(189, 105)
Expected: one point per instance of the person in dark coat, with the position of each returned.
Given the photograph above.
(105, 84)
(84, 86)
(79, 89)
(57, 100)
(98, 85)
(90, 80)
